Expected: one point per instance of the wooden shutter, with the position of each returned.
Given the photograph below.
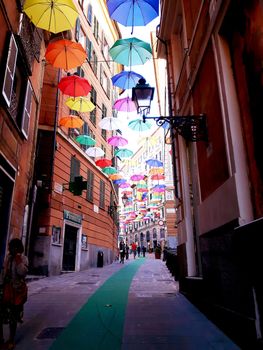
(74, 168)
(102, 194)
(10, 70)
(77, 30)
(90, 182)
(27, 110)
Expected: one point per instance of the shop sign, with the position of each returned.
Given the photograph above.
(72, 217)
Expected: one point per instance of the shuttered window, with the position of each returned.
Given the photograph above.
(93, 99)
(26, 110)
(102, 194)
(89, 49)
(90, 14)
(10, 70)
(90, 184)
(74, 168)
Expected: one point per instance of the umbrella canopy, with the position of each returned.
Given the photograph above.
(124, 105)
(109, 170)
(71, 121)
(133, 12)
(115, 177)
(103, 162)
(137, 177)
(73, 85)
(110, 123)
(139, 125)
(123, 153)
(130, 51)
(154, 171)
(52, 15)
(126, 79)
(117, 141)
(85, 140)
(119, 181)
(124, 185)
(95, 152)
(157, 177)
(154, 163)
(80, 104)
(65, 54)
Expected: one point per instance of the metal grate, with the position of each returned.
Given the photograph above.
(50, 333)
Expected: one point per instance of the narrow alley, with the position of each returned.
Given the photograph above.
(149, 312)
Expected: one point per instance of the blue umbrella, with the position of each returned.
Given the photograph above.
(154, 162)
(133, 12)
(126, 79)
(139, 125)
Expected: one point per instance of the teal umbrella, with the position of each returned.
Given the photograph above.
(85, 140)
(139, 125)
(123, 153)
(109, 170)
(131, 51)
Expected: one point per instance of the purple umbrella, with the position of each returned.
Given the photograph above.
(126, 79)
(137, 177)
(154, 162)
(124, 105)
(124, 185)
(117, 141)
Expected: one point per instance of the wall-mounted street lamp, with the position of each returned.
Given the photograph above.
(191, 127)
(124, 199)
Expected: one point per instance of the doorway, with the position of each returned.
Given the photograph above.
(69, 251)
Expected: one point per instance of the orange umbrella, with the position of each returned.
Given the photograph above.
(115, 176)
(71, 122)
(154, 171)
(65, 54)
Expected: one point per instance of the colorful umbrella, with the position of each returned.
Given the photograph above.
(80, 104)
(137, 177)
(133, 12)
(65, 54)
(125, 105)
(110, 123)
(117, 141)
(126, 79)
(85, 140)
(115, 177)
(154, 171)
(157, 177)
(71, 121)
(154, 163)
(52, 15)
(103, 162)
(119, 181)
(130, 51)
(109, 170)
(139, 125)
(124, 185)
(95, 152)
(123, 153)
(73, 85)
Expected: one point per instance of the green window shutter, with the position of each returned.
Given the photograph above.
(74, 168)
(26, 110)
(102, 195)
(90, 184)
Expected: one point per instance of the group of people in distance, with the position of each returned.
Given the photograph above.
(124, 251)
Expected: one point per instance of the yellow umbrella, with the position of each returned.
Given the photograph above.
(52, 15)
(154, 171)
(80, 104)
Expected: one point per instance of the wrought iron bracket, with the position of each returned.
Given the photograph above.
(192, 127)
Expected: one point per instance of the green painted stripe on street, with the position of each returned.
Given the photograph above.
(99, 323)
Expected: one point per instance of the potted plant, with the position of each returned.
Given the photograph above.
(158, 252)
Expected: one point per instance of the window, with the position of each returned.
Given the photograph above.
(74, 168)
(94, 63)
(82, 38)
(93, 99)
(17, 89)
(77, 29)
(84, 242)
(89, 15)
(95, 28)
(90, 184)
(80, 72)
(104, 115)
(89, 49)
(103, 147)
(102, 195)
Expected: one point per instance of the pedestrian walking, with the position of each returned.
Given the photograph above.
(14, 291)
(134, 249)
(143, 251)
(122, 252)
(127, 251)
(139, 251)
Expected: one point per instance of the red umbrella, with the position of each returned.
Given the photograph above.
(103, 162)
(73, 85)
(157, 177)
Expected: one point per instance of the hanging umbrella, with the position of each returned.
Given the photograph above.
(126, 79)
(117, 141)
(154, 171)
(124, 185)
(52, 15)
(154, 163)
(124, 105)
(158, 190)
(130, 51)
(73, 85)
(65, 54)
(137, 177)
(133, 12)
(139, 125)
(119, 181)
(85, 140)
(95, 152)
(115, 177)
(71, 121)
(123, 153)
(80, 104)
(109, 170)
(103, 162)
(110, 123)
(157, 177)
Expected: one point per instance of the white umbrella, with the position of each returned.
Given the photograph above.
(95, 152)
(110, 123)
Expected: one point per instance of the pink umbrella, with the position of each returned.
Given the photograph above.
(125, 185)
(124, 105)
(137, 177)
(117, 141)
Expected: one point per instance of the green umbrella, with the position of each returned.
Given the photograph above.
(109, 170)
(85, 140)
(139, 125)
(131, 51)
(123, 153)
